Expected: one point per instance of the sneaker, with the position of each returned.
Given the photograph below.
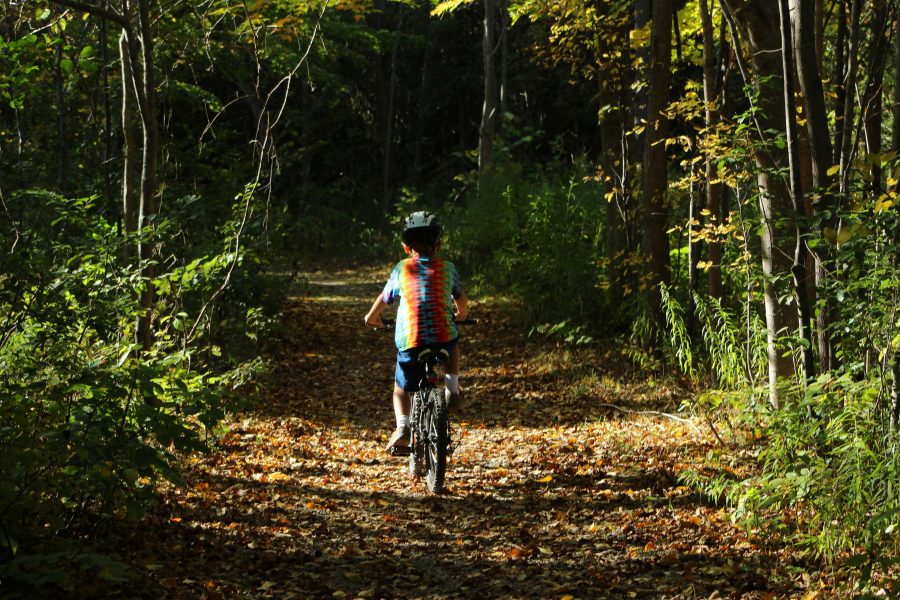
(454, 400)
(399, 438)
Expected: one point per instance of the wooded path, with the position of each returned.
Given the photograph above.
(552, 493)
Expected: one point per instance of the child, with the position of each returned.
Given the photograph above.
(431, 299)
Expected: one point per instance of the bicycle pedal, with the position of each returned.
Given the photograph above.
(401, 451)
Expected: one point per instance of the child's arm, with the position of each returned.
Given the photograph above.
(462, 306)
(373, 318)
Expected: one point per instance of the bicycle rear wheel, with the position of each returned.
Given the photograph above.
(438, 428)
(417, 456)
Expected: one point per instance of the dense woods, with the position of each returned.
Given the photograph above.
(708, 186)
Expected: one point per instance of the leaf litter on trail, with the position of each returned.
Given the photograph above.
(550, 495)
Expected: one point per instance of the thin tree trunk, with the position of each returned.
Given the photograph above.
(793, 152)
(695, 219)
(107, 125)
(895, 108)
(147, 98)
(62, 145)
(639, 98)
(873, 96)
(129, 162)
(387, 165)
(840, 80)
(504, 55)
(489, 108)
(850, 76)
(713, 188)
(423, 95)
(821, 156)
(613, 92)
(656, 205)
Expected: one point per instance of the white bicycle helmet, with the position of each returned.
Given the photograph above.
(421, 224)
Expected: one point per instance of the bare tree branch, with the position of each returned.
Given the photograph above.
(98, 11)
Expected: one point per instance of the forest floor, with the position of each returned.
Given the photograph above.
(565, 483)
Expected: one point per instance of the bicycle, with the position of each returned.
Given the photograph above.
(430, 434)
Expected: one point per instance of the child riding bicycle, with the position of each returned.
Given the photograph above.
(431, 300)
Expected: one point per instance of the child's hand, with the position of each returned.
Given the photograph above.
(374, 321)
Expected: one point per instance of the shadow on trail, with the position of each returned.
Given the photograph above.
(393, 545)
(330, 367)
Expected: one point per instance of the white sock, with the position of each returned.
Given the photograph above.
(452, 383)
(403, 421)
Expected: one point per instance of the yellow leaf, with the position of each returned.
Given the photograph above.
(546, 479)
(568, 597)
(844, 234)
(832, 170)
(883, 203)
(448, 6)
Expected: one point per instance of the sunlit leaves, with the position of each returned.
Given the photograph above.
(448, 6)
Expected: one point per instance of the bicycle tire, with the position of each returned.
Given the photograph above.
(417, 456)
(436, 443)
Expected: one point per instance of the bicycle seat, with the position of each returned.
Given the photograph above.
(429, 356)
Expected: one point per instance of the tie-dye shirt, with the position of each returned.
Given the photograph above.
(426, 288)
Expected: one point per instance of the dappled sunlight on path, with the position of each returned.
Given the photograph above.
(551, 493)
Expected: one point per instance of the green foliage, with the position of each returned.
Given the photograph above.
(90, 421)
(679, 341)
(538, 237)
(731, 355)
(822, 461)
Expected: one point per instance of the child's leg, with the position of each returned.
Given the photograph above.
(401, 405)
(453, 362)
(451, 377)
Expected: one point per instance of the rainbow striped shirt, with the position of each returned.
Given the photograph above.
(426, 288)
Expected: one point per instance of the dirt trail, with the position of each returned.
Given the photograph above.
(551, 494)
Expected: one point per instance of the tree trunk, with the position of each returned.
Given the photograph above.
(504, 56)
(839, 80)
(423, 95)
(656, 207)
(793, 151)
(615, 121)
(713, 189)
(147, 98)
(107, 125)
(639, 98)
(130, 149)
(754, 20)
(489, 108)
(62, 153)
(849, 85)
(821, 156)
(873, 96)
(895, 108)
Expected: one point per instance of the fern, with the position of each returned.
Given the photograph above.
(721, 338)
(677, 338)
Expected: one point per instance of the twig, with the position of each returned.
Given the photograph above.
(654, 412)
(254, 185)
